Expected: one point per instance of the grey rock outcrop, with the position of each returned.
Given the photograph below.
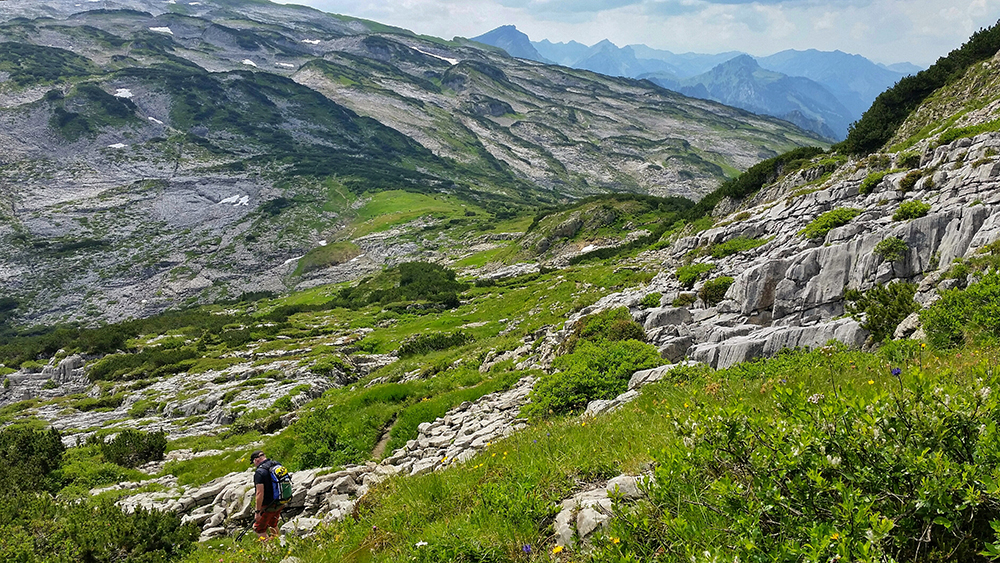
(789, 292)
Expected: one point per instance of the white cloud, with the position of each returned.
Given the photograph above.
(883, 30)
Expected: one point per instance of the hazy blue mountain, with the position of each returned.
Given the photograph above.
(508, 38)
(836, 87)
(566, 54)
(855, 80)
(607, 58)
(742, 83)
(903, 68)
(682, 65)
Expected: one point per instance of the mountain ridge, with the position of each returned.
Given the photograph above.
(852, 79)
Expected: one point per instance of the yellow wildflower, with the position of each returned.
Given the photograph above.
(557, 549)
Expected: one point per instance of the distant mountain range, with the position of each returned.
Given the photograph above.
(822, 91)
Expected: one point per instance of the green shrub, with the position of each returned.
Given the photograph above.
(684, 300)
(592, 371)
(735, 245)
(882, 307)
(262, 421)
(971, 131)
(691, 273)
(822, 475)
(651, 301)
(609, 325)
(972, 314)
(40, 528)
(756, 177)
(910, 180)
(909, 160)
(872, 181)
(714, 290)
(325, 256)
(909, 210)
(105, 402)
(891, 249)
(132, 448)
(30, 459)
(424, 343)
(820, 226)
(284, 404)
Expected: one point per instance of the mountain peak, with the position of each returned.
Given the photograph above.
(516, 43)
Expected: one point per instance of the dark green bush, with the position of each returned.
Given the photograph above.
(689, 275)
(972, 314)
(424, 343)
(882, 307)
(651, 301)
(734, 246)
(756, 177)
(714, 290)
(910, 180)
(825, 476)
(609, 325)
(132, 448)
(37, 528)
(828, 221)
(684, 300)
(30, 459)
(891, 249)
(872, 181)
(592, 371)
(909, 160)
(909, 210)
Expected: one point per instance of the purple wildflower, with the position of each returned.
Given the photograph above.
(896, 371)
(526, 548)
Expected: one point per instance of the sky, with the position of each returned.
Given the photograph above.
(885, 31)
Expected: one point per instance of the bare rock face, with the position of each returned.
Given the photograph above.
(789, 292)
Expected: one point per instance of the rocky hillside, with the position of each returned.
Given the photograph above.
(786, 267)
(159, 154)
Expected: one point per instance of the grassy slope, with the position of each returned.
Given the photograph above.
(503, 499)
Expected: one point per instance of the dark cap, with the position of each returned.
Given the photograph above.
(255, 455)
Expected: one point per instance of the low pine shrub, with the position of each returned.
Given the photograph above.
(30, 459)
(891, 249)
(41, 528)
(909, 210)
(909, 160)
(592, 371)
(651, 301)
(872, 181)
(691, 273)
(851, 475)
(735, 245)
(882, 307)
(684, 300)
(828, 221)
(424, 343)
(132, 448)
(972, 314)
(714, 290)
(910, 180)
(609, 325)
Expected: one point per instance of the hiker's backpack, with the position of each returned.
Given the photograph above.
(281, 484)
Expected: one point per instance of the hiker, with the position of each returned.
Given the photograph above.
(267, 511)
